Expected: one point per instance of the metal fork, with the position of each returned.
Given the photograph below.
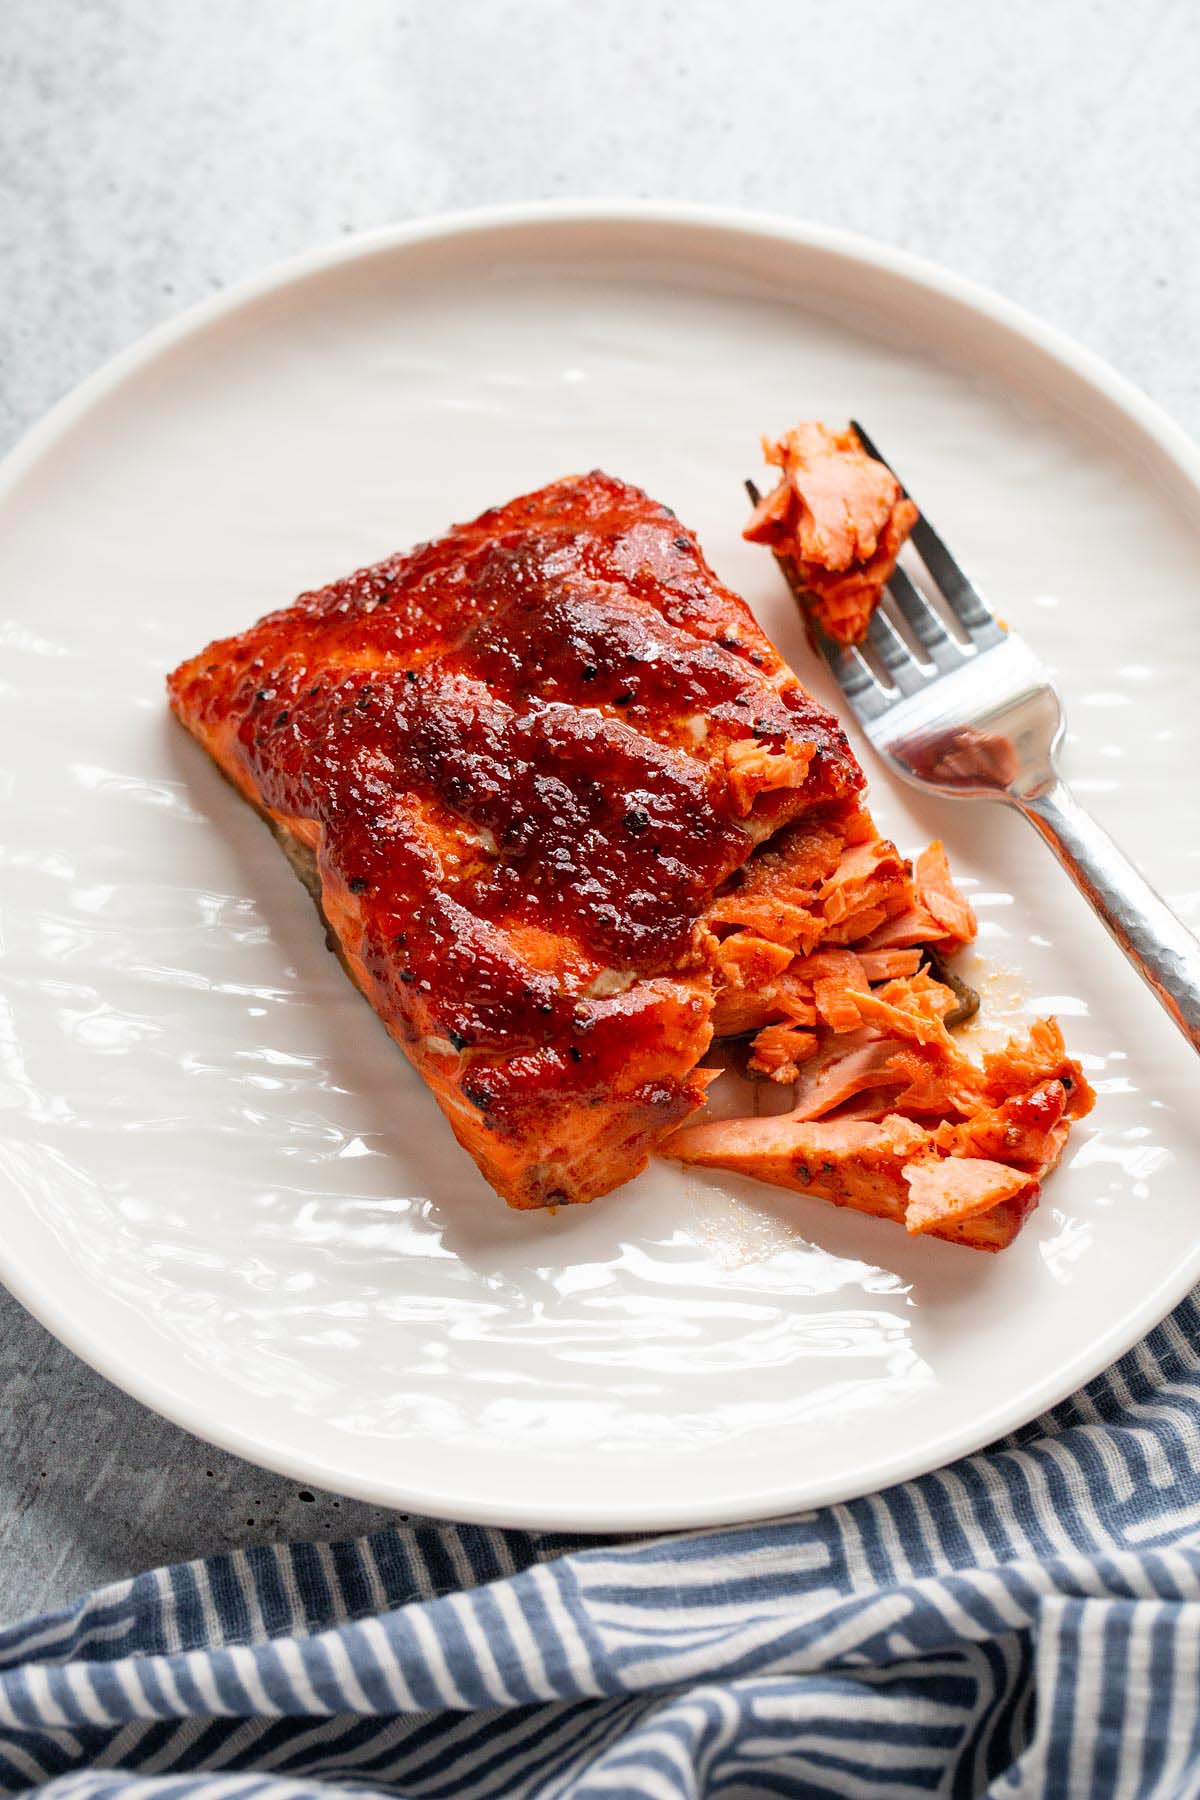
(978, 716)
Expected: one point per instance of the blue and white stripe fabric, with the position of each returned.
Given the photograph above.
(1026, 1622)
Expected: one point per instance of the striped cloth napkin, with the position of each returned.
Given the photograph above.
(1024, 1623)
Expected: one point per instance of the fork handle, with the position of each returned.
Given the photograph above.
(1157, 943)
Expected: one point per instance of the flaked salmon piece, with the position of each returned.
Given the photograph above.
(797, 862)
(837, 964)
(1052, 1149)
(793, 1006)
(937, 893)
(870, 1167)
(782, 897)
(915, 925)
(778, 1051)
(847, 1067)
(794, 927)
(839, 518)
(949, 1190)
(746, 960)
(836, 977)
(905, 1016)
(899, 1076)
(992, 1230)
(919, 993)
(836, 1004)
(1040, 1055)
(806, 884)
(849, 1162)
(755, 768)
(1023, 1130)
(856, 925)
(887, 965)
(739, 1011)
(936, 1086)
(869, 875)
(981, 1153)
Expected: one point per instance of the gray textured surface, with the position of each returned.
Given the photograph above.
(150, 153)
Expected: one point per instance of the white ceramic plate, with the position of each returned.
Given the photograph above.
(222, 1184)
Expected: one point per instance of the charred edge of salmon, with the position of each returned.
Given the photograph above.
(303, 862)
(301, 859)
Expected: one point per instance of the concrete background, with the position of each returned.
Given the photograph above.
(152, 151)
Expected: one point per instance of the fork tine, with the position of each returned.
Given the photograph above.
(923, 621)
(959, 592)
(872, 448)
(894, 654)
(955, 586)
(855, 677)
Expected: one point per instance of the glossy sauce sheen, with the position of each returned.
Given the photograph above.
(513, 742)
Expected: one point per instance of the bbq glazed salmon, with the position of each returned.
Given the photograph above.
(567, 814)
(515, 766)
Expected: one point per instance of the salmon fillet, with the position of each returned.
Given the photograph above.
(892, 1119)
(879, 1167)
(516, 766)
(568, 817)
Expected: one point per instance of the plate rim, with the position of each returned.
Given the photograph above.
(645, 1513)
